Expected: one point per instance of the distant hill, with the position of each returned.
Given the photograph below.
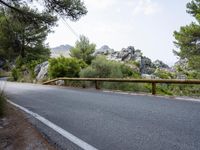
(63, 50)
(105, 49)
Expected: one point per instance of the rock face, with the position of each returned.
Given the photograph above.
(160, 64)
(125, 54)
(146, 66)
(41, 71)
(137, 56)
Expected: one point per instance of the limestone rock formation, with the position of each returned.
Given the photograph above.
(41, 71)
(146, 66)
(160, 64)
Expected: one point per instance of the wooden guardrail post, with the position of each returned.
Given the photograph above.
(96, 84)
(153, 88)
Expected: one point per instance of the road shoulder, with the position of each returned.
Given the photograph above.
(17, 133)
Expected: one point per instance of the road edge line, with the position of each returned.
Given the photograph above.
(56, 128)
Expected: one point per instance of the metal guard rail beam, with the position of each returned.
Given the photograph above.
(152, 81)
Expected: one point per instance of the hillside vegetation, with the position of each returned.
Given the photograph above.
(24, 55)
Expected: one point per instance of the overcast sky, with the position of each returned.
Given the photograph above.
(147, 25)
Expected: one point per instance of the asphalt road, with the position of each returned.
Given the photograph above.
(110, 121)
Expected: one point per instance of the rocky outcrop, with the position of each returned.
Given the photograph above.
(160, 64)
(130, 54)
(41, 71)
(126, 54)
(137, 56)
(146, 66)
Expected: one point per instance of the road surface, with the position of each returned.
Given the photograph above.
(110, 121)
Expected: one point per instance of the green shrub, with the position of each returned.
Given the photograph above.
(2, 104)
(88, 72)
(64, 67)
(135, 63)
(103, 68)
(24, 69)
(193, 75)
(163, 74)
(16, 74)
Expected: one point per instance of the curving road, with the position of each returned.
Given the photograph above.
(110, 121)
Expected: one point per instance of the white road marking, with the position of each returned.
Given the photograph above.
(58, 129)
(160, 96)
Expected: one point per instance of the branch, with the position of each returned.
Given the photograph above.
(26, 15)
(11, 7)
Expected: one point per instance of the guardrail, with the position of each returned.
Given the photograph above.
(152, 81)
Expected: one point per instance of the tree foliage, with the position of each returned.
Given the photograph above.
(70, 9)
(188, 37)
(65, 67)
(24, 38)
(83, 50)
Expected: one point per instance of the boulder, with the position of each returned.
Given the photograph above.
(60, 82)
(126, 54)
(41, 71)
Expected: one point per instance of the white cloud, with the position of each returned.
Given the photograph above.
(146, 7)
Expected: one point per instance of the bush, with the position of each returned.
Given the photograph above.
(64, 67)
(88, 72)
(163, 74)
(103, 68)
(2, 104)
(16, 74)
(24, 71)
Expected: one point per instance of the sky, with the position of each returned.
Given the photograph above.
(147, 25)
